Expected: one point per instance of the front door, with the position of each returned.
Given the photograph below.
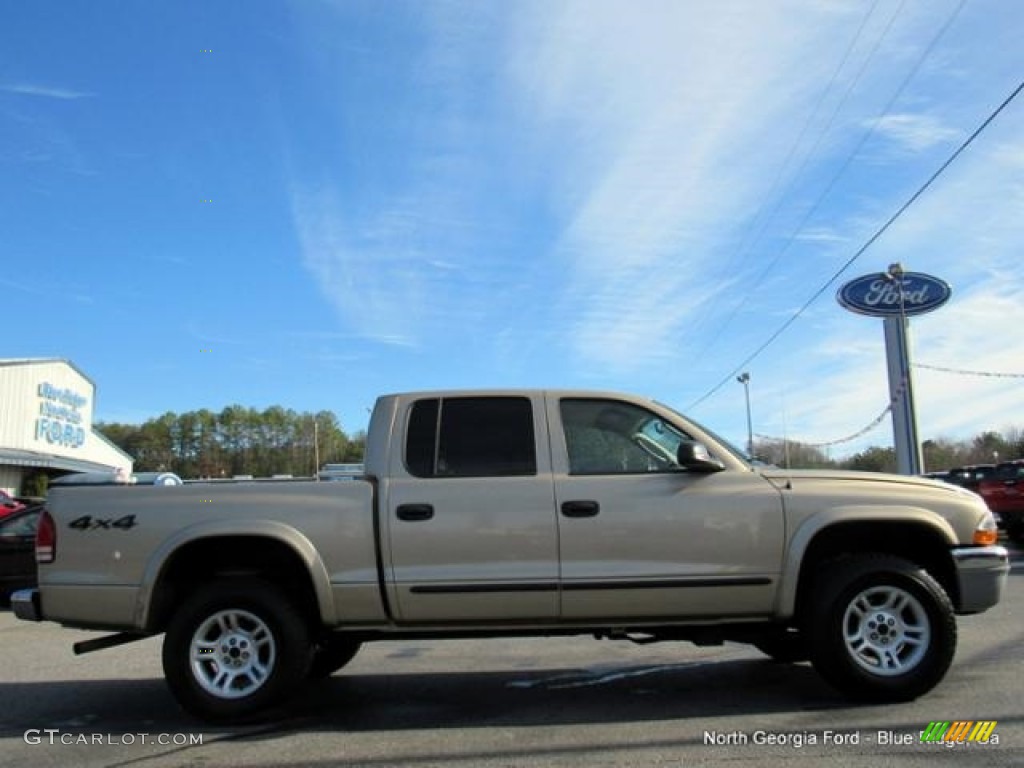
(641, 538)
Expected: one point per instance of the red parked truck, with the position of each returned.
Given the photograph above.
(1003, 491)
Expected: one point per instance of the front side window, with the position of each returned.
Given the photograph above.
(471, 437)
(611, 437)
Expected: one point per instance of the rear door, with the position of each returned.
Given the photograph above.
(469, 510)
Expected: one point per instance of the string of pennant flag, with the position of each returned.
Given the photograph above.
(849, 438)
(888, 409)
(964, 372)
(881, 417)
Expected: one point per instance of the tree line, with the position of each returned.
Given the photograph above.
(236, 441)
(279, 441)
(938, 455)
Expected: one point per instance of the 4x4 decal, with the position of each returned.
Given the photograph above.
(90, 523)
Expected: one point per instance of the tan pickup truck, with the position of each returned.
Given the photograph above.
(500, 513)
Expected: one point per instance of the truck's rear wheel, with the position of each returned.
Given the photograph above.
(234, 649)
(882, 628)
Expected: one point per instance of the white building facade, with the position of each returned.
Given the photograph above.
(46, 416)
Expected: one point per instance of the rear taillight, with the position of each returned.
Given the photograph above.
(46, 539)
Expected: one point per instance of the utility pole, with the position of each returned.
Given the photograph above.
(744, 379)
(316, 450)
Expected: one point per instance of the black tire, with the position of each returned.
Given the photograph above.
(881, 628)
(332, 653)
(784, 646)
(1015, 532)
(235, 649)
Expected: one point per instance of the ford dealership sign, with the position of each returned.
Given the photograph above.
(885, 295)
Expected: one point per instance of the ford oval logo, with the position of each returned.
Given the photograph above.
(882, 295)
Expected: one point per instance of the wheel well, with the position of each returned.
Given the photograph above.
(912, 541)
(201, 562)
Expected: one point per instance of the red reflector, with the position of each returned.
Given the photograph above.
(46, 539)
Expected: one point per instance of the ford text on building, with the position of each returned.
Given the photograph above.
(46, 415)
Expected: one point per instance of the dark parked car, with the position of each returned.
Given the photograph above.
(970, 477)
(18, 550)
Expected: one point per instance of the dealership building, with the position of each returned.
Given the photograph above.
(46, 414)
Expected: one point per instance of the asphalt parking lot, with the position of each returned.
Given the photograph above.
(565, 702)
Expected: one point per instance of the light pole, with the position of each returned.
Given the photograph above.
(744, 379)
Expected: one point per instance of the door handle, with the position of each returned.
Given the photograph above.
(414, 513)
(580, 508)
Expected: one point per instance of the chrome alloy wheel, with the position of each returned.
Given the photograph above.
(886, 630)
(232, 654)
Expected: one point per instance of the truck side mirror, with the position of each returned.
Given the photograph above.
(694, 456)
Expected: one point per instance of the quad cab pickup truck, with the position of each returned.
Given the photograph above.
(504, 513)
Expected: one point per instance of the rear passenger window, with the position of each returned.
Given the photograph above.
(471, 437)
(421, 439)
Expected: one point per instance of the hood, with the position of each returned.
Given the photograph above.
(795, 477)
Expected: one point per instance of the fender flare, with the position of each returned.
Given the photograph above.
(295, 540)
(818, 522)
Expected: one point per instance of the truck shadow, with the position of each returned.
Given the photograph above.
(613, 694)
(358, 702)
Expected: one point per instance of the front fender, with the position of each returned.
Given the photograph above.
(818, 522)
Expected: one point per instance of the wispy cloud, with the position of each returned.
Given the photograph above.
(375, 288)
(418, 259)
(649, 111)
(206, 336)
(585, 206)
(915, 133)
(45, 91)
(30, 290)
(822, 235)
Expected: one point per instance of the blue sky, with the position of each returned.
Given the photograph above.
(313, 203)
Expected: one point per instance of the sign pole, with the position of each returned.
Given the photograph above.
(901, 394)
(895, 295)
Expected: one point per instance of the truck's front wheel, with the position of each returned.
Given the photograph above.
(1015, 531)
(881, 628)
(234, 649)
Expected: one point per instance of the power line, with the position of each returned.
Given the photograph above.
(846, 163)
(749, 236)
(860, 251)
